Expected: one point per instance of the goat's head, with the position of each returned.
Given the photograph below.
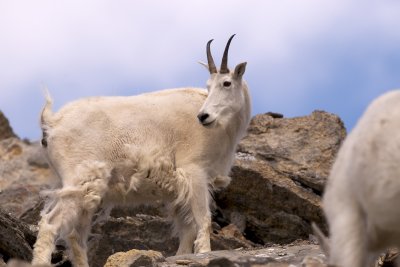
(225, 90)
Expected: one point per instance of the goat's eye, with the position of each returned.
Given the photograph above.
(227, 84)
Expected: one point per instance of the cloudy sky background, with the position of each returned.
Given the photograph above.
(302, 55)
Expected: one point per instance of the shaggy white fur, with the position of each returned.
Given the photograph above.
(174, 145)
(363, 191)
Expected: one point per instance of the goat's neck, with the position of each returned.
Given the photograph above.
(236, 128)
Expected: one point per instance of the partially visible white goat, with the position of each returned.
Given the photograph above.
(138, 149)
(362, 197)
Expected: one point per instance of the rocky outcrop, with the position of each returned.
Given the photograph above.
(302, 148)
(5, 128)
(281, 167)
(278, 178)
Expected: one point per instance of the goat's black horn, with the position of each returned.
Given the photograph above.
(211, 64)
(224, 63)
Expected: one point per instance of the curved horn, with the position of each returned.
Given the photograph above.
(224, 63)
(211, 64)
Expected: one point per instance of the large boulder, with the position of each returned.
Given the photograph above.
(278, 177)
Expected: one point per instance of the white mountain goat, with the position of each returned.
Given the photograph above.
(173, 145)
(362, 197)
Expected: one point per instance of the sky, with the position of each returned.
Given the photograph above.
(302, 55)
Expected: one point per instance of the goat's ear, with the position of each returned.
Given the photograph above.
(204, 65)
(239, 70)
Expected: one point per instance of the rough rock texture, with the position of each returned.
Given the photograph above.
(275, 193)
(278, 176)
(301, 148)
(146, 232)
(24, 171)
(135, 258)
(297, 254)
(5, 128)
(16, 238)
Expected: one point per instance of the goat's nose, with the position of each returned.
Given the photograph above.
(202, 117)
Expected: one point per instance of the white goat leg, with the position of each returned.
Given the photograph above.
(44, 245)
(200, 209)
(77, 240)
(73, 206)
(187, 235)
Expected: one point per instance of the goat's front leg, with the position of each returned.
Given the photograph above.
(199, 200)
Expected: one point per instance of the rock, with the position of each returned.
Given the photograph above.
(16, 243)
(288, 255)
(16, 238)
(24, 172)
(301, 148)
(135, 258)
(278, 176)
(388, 259)
(144, 232)
(5, 128)
(232, 231)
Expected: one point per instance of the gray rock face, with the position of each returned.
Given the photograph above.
(279, 174)
(301, 148)
(278, 178)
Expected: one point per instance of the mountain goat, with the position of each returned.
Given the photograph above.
(172, 145)
(362, 197)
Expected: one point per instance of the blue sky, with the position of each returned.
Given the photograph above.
(302, 55)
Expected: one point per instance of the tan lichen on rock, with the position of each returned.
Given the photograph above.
(5, 128)
(133, 258)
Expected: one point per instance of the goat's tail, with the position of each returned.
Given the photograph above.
(46, 116)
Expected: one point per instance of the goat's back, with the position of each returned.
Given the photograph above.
(97, 128)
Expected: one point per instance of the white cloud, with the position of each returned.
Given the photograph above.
(100, 47)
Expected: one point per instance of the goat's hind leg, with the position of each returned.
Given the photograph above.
(72, 213)
(49, 229)
(77, 240)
